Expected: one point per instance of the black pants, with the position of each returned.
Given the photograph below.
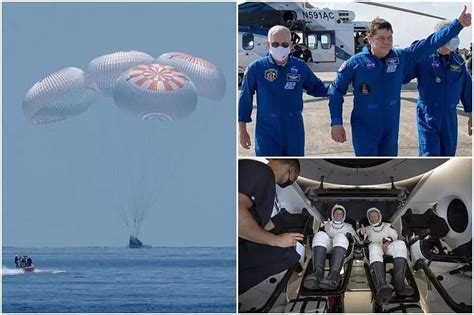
(258, 262)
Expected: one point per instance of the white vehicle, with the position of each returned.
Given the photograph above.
(427, 201)
(330, 35)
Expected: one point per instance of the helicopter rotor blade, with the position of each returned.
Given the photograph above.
(403, 10)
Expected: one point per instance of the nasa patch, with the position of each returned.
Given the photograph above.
(364, 89)
(291, 77)
(391, 68)
(294, 69)
(271, 75)
(370, 65)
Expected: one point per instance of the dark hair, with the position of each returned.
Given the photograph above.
(378, 24)
(292, 162)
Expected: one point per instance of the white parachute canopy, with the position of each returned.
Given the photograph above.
(105, 70)
(58, 96)
(155, 91)
(207, 77)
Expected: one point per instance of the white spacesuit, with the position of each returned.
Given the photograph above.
(380, 233)
(333, 239)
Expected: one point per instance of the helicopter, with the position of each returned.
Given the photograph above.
(332, 36)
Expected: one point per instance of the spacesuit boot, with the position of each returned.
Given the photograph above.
(383, 292)
(319, 257)
(337, 259)
(399, 269)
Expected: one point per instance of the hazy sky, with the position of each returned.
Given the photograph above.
(407, 27)
(63, 183)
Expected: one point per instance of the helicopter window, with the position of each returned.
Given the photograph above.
(289, 16)
(312, 41)
(326, 41)
(247, 41)
(458, 217)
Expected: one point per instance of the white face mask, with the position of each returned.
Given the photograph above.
(453, 43)
(280, 53)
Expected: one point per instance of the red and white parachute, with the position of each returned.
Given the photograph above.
(155, 91)
(207, 77)
(58, 96)
(105, 70)
(165, 90)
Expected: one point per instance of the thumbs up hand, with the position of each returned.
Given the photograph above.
(361, 231)
(465, 18)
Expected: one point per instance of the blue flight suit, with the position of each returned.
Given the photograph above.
(279, 130)
(376, 84)
(442, 83)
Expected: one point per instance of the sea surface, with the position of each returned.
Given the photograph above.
(112, 279)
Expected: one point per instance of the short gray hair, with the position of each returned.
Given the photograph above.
(278, 29)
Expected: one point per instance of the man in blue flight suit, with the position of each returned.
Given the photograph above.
(279, 80)
(443, 80)
(377, 75)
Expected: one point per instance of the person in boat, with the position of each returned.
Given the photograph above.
(29, 262)
(22, 262)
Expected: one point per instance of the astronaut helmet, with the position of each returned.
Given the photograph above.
(338, 220)
(379, 220)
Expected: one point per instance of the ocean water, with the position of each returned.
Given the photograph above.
(112, 279)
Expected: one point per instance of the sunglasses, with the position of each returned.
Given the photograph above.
(277, 44)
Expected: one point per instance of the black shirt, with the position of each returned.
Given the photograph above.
(257, 181)
(259, 261)
(307, 57)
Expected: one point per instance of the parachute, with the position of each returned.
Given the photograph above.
(58, 96)
(105, 70)
(207, 77)
(155, 91)
(165, 90)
